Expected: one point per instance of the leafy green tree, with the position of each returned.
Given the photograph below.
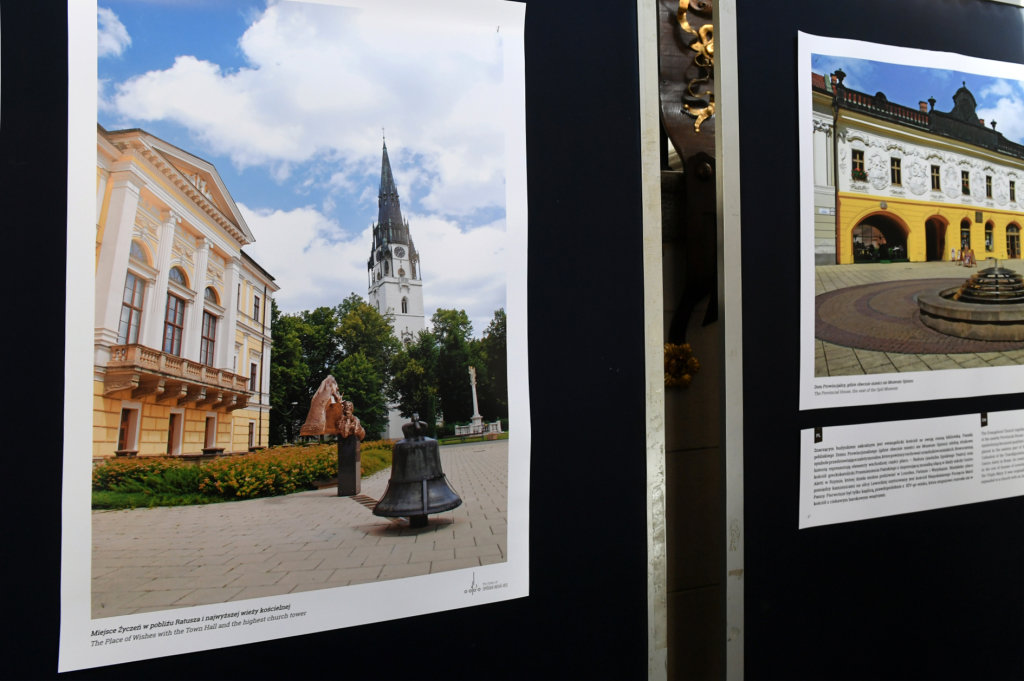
(361, 385)
(321, 346)
(415, 380)
(362, 329)
(288, 377)
(453, 329)
(492, 388)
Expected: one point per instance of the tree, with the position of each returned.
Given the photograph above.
(361, 385)
(362, 329)
(320, 345)
(452, 329)
(288, 376)
(415, 380)
(493, 388)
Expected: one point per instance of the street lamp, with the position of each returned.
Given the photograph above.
(288, 414)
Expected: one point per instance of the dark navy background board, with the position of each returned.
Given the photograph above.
(930, 595)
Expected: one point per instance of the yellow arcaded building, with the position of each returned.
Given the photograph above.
(895, 183)
(182, 329)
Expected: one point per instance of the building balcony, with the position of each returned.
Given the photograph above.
(174, 380)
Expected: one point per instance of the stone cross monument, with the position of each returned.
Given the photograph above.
(478, 420)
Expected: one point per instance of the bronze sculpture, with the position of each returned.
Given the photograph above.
(330, 415)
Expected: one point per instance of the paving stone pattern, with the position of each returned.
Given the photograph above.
(163, 558)
(867, 326)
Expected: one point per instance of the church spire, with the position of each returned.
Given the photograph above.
(389, 210)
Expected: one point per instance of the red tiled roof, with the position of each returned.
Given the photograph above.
(818, 81)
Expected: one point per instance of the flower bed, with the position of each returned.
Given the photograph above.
(272, 472)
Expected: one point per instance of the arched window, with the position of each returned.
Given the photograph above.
(387, 268)
(1013, 242)
(138, 253)
(965, 234)
(378, 306)
(405, 306)
(211, 295)
(990, 239)
(177, 276)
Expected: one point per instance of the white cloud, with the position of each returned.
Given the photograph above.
(322, 82)
(113, 37)
(1008, 112)
(1000, 88)
(316, 264)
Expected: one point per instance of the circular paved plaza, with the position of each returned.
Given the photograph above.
(884, 317)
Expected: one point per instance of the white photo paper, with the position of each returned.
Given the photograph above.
(911, 224)
(874, 470)
(297, 232)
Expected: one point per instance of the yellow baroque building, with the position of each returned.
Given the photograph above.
(897, 184)
(182, 330)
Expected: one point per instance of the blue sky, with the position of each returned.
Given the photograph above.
(288, 100)
(999, 99)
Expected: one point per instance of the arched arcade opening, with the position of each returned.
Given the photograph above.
(935, 238)
(879, 238)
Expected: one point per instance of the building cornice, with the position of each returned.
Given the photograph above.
(182, 186)
(924, 138)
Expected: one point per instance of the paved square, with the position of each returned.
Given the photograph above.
(845, 359)
(175, 557)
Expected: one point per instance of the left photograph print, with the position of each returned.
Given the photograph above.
(308, 284)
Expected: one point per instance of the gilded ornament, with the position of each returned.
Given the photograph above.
(704, 46)
(680, 365)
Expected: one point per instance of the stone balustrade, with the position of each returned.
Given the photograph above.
(146, 371)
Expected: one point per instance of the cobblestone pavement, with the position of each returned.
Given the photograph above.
(175, 557)
(874, 329)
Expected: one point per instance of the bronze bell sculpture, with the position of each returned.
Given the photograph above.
(417, 486)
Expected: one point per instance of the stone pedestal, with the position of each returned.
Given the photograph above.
(349, 466)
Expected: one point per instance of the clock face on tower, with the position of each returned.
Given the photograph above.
(399, 252)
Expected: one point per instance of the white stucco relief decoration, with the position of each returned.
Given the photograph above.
(978, 186)
(214, 273)
(145, 223)
(200, 184)
(878, 171)
(916, 176)
(1000, 189)
(182, 249)
(951, 180)
(822, 125)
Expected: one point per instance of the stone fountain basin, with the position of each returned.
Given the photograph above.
(970, 320)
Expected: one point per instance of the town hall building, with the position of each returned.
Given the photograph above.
(894, 183)
(182, 336)
(394, 273)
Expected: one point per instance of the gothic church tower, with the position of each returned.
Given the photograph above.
(395, 276)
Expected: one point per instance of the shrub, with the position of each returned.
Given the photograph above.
(170, 482)
(114, 473)
(264, 474)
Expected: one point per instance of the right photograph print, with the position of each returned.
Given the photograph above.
(911, 269)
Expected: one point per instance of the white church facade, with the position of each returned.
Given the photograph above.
(394, 273)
